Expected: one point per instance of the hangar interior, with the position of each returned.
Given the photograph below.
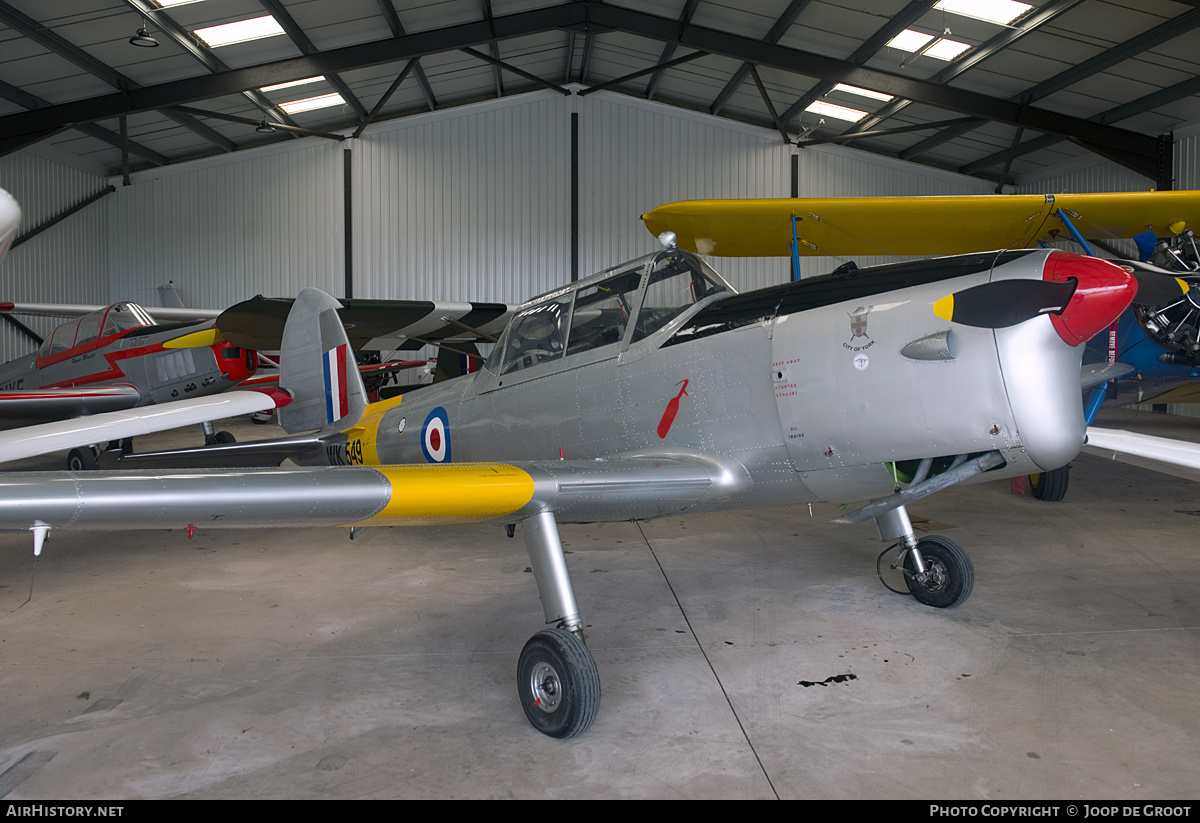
(489, 150)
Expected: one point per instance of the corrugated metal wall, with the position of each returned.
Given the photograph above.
(67, 263)
(225, 229)
(468, 204)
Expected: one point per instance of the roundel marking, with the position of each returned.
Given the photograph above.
(435, 436)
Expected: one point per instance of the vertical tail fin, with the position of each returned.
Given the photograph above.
(317, 366)
(10, 218)
(452, 363)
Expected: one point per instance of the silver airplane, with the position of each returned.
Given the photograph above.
(653, 389)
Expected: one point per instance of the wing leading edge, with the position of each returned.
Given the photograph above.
(634, 486)
(859, 226)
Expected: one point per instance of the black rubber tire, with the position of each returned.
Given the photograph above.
(1050, 486)
(82, 460)
(558, 684)
(951, 573)
(225, 437)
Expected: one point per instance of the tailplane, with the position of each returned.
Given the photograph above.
(318, 368)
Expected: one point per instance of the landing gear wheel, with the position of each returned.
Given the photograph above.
(558, 684)
(219, 438)
(949, 574)
(1050, 486)
(82, 460)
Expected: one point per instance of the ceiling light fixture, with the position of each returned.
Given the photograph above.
(264, 127)
(142, 38)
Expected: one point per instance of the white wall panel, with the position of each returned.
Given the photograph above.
(637, 155)
(225, 229)
(67, 262)
(1187, 161)
(1087, 175)
(469, 204)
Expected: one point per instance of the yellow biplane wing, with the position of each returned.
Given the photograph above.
(847, 226)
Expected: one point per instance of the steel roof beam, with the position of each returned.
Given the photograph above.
(685, 17)
(232, 81)
(393, 21)
(186, 41)
(870, 47)
(777, 31)
(47, 39)
(963, 101)
(577, 16)
(233, 118)
(1162, 33)
(29, 101)
(497, 75)
(1008, 36)
(1161, 97)
(656, 69)
(478, 55)
(387, 95)
(306, 46)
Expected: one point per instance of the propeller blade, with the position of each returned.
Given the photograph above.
(1004, 303)
(1155, 286)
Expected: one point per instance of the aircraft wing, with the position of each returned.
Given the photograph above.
(1161, 454)
(846, 226)
(384, 325)
(99, 428)
(59, 403)
(162, 315)
(634, 486)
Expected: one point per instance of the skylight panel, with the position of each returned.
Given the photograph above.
(874, 95)
(1000, 12)
(303, 82)
(909, 40)
(915, 41)
(310, 103)
(239, 32)
(166, 4)
(837, 112)
(947, 49)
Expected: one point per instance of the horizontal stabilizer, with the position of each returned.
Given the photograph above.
(99, 428)
(258, 453)
(38, 405)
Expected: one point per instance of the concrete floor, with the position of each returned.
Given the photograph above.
(300, 664)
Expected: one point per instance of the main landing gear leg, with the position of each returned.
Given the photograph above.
(938, 572)
(557, 680)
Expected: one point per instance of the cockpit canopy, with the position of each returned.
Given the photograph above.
(111, 320)
(629, 302)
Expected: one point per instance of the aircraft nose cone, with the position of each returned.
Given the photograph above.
(1103, 290)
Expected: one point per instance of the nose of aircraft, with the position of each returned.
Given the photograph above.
(10, 216)
(1103, 290)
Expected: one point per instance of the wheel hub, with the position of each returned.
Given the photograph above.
(934, 578)
(547, 691)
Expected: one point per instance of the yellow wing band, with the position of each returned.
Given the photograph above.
(452, 493)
